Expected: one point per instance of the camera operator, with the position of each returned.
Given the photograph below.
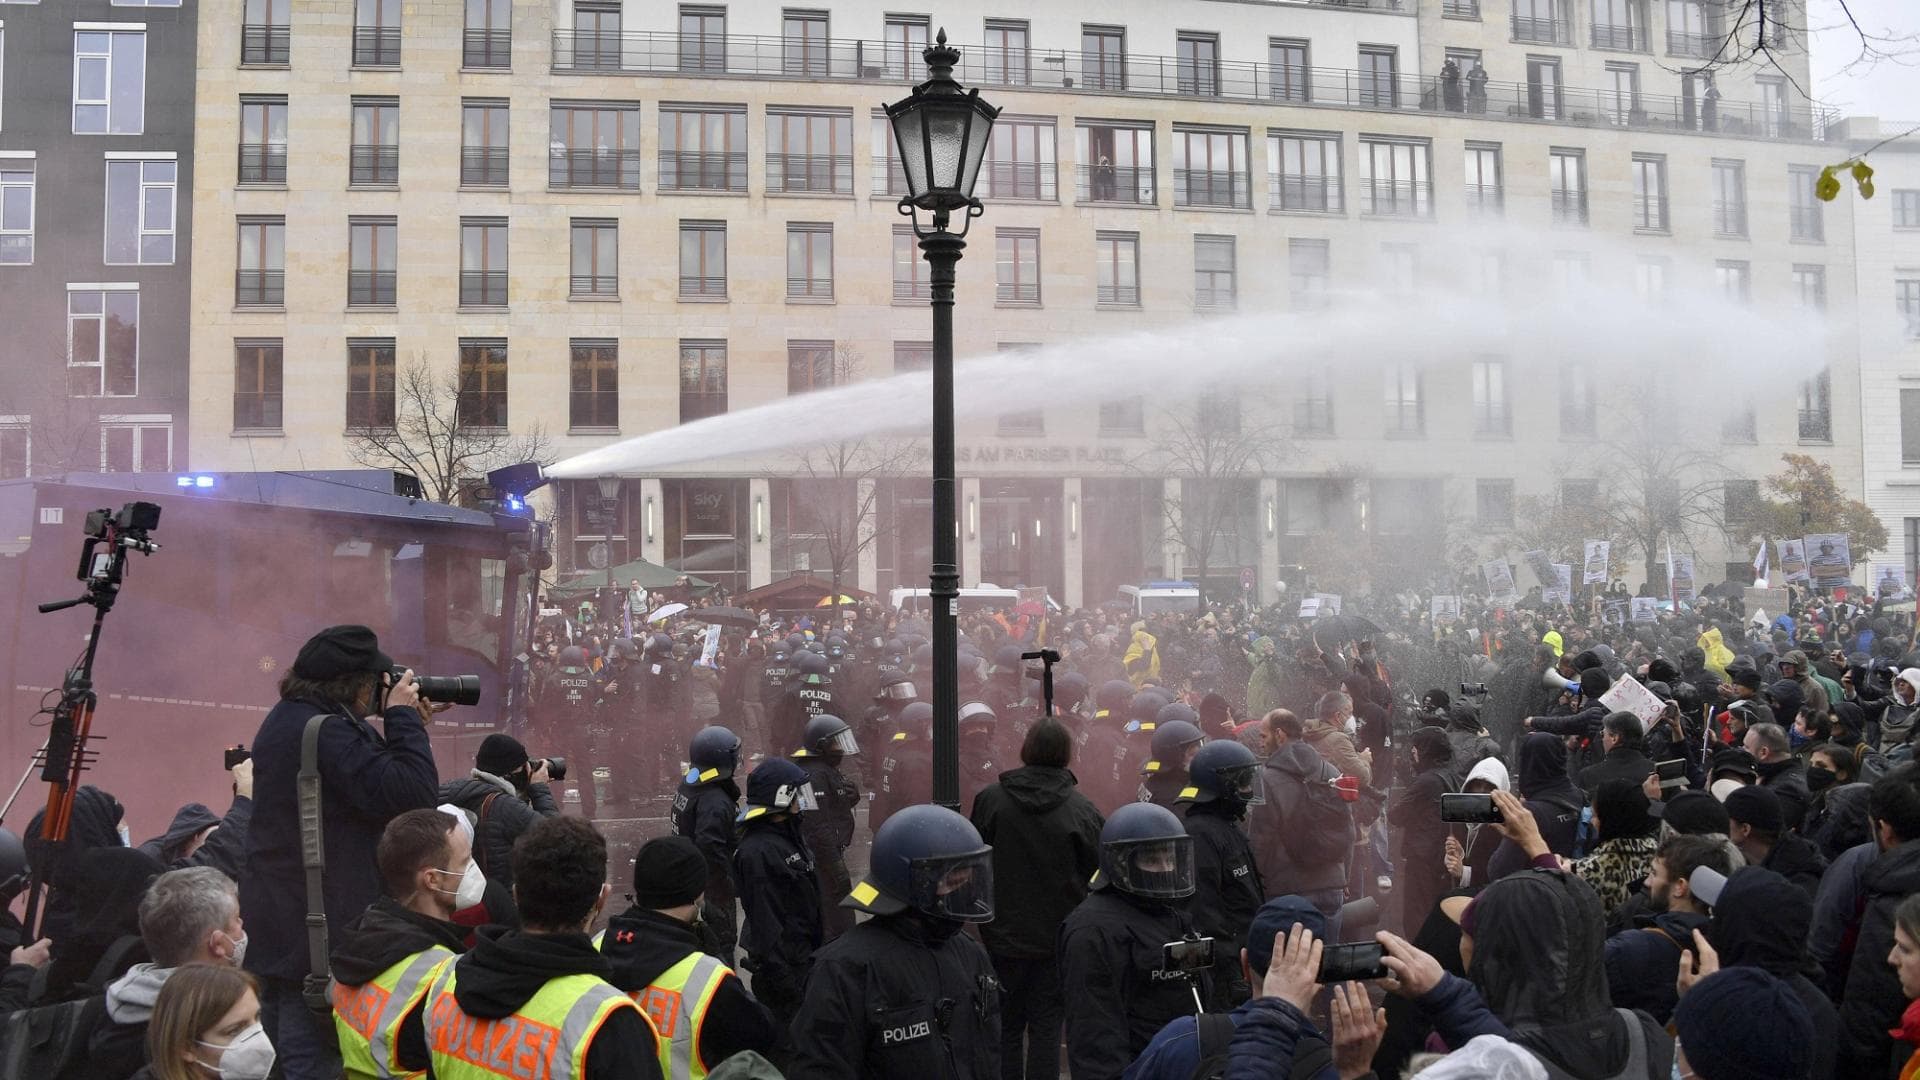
(507, 793)
(375, 763)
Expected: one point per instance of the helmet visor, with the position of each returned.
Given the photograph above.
(1158, 869)
(900, 691)
(841, 743)
(1244, 780)
(957, 887)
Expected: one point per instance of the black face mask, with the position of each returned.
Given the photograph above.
(1819, 779)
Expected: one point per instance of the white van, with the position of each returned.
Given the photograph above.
(1157, 596)
(981, 597)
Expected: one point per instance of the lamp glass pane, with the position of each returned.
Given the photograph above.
(910, 140)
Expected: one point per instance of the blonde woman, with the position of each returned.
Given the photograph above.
(206, 1024)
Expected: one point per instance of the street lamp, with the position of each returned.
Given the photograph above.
(941, 132)
(609, 505)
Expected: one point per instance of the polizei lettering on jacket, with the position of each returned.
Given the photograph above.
(815, 700)
(894, 1036)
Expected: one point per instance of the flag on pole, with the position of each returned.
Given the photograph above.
(1760, 566)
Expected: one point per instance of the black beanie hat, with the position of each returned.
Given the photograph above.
(668, 872)
(338, 651)
(1741, 1023)
(500, 754)
(1594, 682)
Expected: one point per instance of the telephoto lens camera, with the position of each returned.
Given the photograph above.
(556, 769)
(445, 689)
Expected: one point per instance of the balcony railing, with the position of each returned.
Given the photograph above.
(1308, 194)
(374, 165)
(1569, 207)
(821, 174)
(1018, 180)
(704, 287)
(1729, 218)
(1396, 198)
(1165, 76)
(1461, 9)
(1491, 418)
(1650, 212)
(483, 288)
(483, 166)
(1485, 198)
(593, 409)
(1130, 184)
(913, 289)
(1313, 416)
(1623, 38)
(263, 163)
(487, 49)
(371, 288)
(259, 288)
(888, 178)
(590, 168)
(481, 408)
(1542, 31)
(1016, 292)
(1212, 187)
(688, 170)
(376, 46)
(264, 44)
(1701, 46)
(809, 288)
(695, 406)
(593, 285)
(370, 410)
(1816, 425)
(1807, 223)
(1208, 298)
(256, 410)
(1119, 295)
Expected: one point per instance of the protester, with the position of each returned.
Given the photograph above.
(1552, 801)
(1415, 812)
(1301, 838)
(1643, 960)
(1623, 740)
(506, 793)
(189, 916)
(1870, 1002)
(206, 1022)
(1740, 1023)
(1760, 920)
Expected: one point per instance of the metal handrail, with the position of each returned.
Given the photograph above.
(371, 288)
(264, 44)
(594, 168)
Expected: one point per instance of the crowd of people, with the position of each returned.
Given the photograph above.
(1509, 841)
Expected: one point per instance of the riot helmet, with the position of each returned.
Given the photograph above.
(977, 719)
(1145, 851)
(713, 754)
(625, 649)
(931, 860)
(573, 656)
(896, 685)
(1006, 659)
(811, 667)
(1171, 741)
(777, 785)
(660, 646)
(916, 721)
(1113, 696)
(1069, 690)
(1224, 768)
(826, 736)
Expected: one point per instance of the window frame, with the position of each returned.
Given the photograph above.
(1568, 186)
(810, 234)
(101, 363)
(372, 358)
(707, 351)
(1492, 406)
(485, 226)
(371, 227)
(259, 347)
(600, 364)
(1650, 171)
(599, 286)
(1012, 242)
(141, 231)
(115, 32)
(1293, 190)
(271, 173)
(29, 165)
(1205, 296)
(734, 142)
(702, 228)
(269, 282)
(494, 159)
(783, 125)
(1114, 250)
(483, 358)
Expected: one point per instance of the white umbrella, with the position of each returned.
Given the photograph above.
(665, 612)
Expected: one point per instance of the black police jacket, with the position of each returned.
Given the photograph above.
(896, 998)
(781, 902)
(1117, 993)
(703, 813)
(828, 831)
(1227, 889)
(906, 778)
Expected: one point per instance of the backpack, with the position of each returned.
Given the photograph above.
(1317, 827)
(1215, 1031)
(49, 1042)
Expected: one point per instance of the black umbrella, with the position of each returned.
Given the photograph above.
(726, 616)
(1337, 630)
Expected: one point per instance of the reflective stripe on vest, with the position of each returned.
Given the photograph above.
(547, 1039)
(367, 1017)
(695, 978)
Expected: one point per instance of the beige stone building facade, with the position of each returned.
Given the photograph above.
(600, 221)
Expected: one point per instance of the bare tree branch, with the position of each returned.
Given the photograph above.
(432, 439)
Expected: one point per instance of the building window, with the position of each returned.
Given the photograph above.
(1730, 198)
(1910, 427)
(1020, 160)
(803, 43)
(376, 142)
(1026, 422)
(595, 265)
(1540, 21)
(16, 211)
(1805, 218)
(489, 34)
(1210, 168)
(1116, 164)
(1309, 267)
(1567, 173)
(810, 260)
(1577, 402)
(1491, 413)
(594, 146)
(703, 149)
(370, 383)
(140, 212)
(1215, 277)
(261, 280)
(1394, 178)
(1906, 295)
(809, 366)
(1621, 96)
(1006, 52)
(703, 260)
(1103, 57)
(1291, 75)
(482, 398)
(16, 449)
(1735, 279)
(906, 39)
(1546, 98)
(1017, 266)
(376, 33)
(1117, 268)
(703, 379)
(810, 152)
(263, 140)
(703, 39)
(1306, 171)
(1126, 416)
(136, 447)
(103, 342)
(1816, 409)
(910, 356)
(1810, 286)
(1198, 63)
(1406, 412)
(109, 82)
(1906, 209)
(593, 380)
(1650, 279)
(1693, 29)
(1493, 503)
(889, 178)
(372, 259)
(1460, 9)
(1399, 269)
(910, 281)
(595, 39)
(1379, 77)
(1485, 193)
(1620, 24)
(1313, 407)
(1650, 192)
(265, 37)
(256, 384)
(483, 262)
(1740, 501)
(483, 143)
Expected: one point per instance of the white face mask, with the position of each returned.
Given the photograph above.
(472, 888)
(239, 947)
(126, 835)
(1353, 726)
(248, 1057)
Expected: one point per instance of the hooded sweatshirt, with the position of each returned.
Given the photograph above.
(118, 1047)
(1548, 792)
(1718, 656)
(1762, 920)
(225, 850)
(1481, 841)
(1046, 846)
(382, 936)
(643, 944)
(1897, 721)
(507, 967)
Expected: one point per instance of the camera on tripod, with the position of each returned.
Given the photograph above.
(445, 689)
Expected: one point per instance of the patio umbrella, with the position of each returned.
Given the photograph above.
(843, 601)
(665, 612)
(729, 616)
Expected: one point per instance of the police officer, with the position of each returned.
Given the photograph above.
(773, 684)
(778, 892)
(906, 995)
(663, 711)
(703, 812)
(1225, 780)
(1176, 738)
(1112, 779)
(1006, 688)
(1112, 955)
(809, 693)
(906, 773)
(618, 709)
(828, 831)
(571, 720)
(979, 728)
(895, 692)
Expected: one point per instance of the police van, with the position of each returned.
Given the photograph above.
(1157, 596)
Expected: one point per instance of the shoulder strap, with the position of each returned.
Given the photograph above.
(1311, 1055)
(1664, 934)
(1214, 1033)
(313, 857)
(111, 962)
(1636, 1046)
(480, 831)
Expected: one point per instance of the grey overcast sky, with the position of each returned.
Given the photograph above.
(1889, 89)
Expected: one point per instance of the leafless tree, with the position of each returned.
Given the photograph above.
(1661, 484)
(1217, 445)
(1757, 32)
(435, 437)
(63, 429)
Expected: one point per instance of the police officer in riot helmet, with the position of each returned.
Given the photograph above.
(773, 683)
(979, 735)
(1176, 738)
(703, 812)
(828, 830)
(1224, 780)
(809, 693)
(906, 770)
(896, 691)
(906, 995)
(1006, 685)
(570, 720)
(1111, 776)
(663, 710)
(1111, 947)
(778, 893)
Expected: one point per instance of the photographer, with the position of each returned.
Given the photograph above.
(507, 793)
(371, 770)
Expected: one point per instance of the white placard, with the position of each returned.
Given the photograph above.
(1629, 696)
(1594, 564)
(1644, 609)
